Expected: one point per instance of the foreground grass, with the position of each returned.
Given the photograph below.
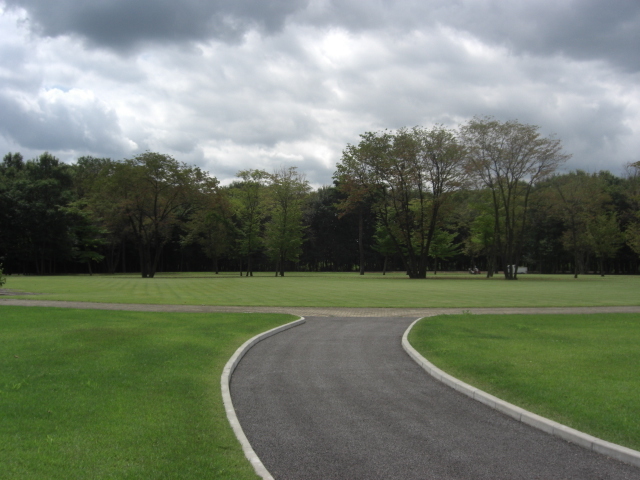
(579, 370)
(118, 394)
(338, 290)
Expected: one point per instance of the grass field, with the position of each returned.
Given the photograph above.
(579, 370)
(338, 290)
(137, 395)
(119, 394)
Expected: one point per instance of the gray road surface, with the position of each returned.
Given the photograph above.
(305, 311)
(338, 398)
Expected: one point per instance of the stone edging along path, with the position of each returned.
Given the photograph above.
(225, 384)
(589, 442)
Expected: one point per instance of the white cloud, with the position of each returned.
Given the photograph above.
(294, 87)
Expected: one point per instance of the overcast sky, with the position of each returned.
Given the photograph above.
(234, 84)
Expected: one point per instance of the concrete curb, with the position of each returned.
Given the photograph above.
(624, 454)
(225, 382)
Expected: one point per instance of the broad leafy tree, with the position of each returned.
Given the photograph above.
(102, 204)
(332, 237)
(354, 178)
(606, 237)
(632, 236)
(577, 198)
(478, 223)
(211, 224)
(384, 245)
(35, 226)
(411, 175)
(248, 199)
(509, 158)
(88, 235)
(284, 232)
(443, 247)
(154, 194)
(632, 232)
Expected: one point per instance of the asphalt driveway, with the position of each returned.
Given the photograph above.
(338, 398)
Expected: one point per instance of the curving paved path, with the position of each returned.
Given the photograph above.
(338, 398)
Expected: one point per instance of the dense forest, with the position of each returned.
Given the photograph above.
(486, 195)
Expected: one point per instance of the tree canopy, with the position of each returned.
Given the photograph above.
(486, 195)
(410, 175)
(508, 159)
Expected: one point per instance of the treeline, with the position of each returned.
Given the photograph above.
(485, 195)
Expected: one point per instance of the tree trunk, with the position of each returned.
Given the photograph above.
(144, 263)
(124, 256)
(508, 269)
(112, 258)
(422, 269)
(360, 240)
(282, 266)
(156, 259)
(601, 266)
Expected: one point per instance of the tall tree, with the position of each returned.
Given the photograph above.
(354, 178)
(154, 193)
(443, 159)
(102, 204)
(249, 203)
(284, 231)
(36, 229)
(88, 235)
(210, 224)
(411, 174)
(577, 198)
(632, 236)
(479, 223)
(632, 232)
(384, 245)
(442, 247)
(332, 238)
(509, 158)
(606, 237)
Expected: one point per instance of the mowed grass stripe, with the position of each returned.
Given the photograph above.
(119, 394)
(338, 290)
(579, 370)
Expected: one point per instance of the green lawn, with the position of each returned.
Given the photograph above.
(97, 394)
(579, 370)
(338, 290)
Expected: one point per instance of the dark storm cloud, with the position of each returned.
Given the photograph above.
(581, 29)
(58, 126)
(122, 24)
(241, 84)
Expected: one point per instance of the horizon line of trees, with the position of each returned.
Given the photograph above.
(484, 195)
